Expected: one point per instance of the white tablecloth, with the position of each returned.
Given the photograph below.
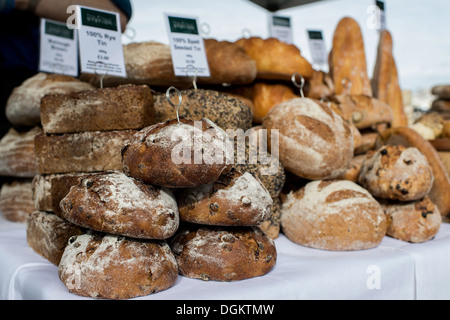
(393, 270)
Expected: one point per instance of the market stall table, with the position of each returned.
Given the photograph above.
(393, 270)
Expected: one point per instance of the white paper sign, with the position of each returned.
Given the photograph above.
(280, 28)
(100, 42)
(317, 47)
(58, 52)
(187, 47)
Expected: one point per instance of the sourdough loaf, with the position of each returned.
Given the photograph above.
(16, 200)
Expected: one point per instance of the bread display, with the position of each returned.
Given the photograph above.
(16, 200)
(226, 111)
(319, 86)
(114, 267)
(80, 152)
(398, 173)
(223, 253)
(275, 59)
(117, 204)
(97, 110)
(193, 153)
(17, 153)
(47, 234)
(385, 80)
(235, 199)
(337, 215)
(347, 59)
(310, 132)
(23, 105)
(414, 221)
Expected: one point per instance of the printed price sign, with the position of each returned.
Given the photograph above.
(187, 47)
(317, 47)
(280, 28)
(100, 42)
(58, 51)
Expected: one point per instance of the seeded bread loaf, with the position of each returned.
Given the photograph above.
(271, 226)
(332, 215)
(310, 133)
(119, 108)
(80, 152)
(106, 266)
(117, 204)
(16, 200)
(223, 253)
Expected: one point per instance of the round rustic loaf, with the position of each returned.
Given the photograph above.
(314, 142)
(23, 107)
(336, 215)
(178, 154)
(223, 253)
(115, 203)
(235, 199)
(225, 110)
(397, 172)
(413, 221)
(16, 200)
(106, 266)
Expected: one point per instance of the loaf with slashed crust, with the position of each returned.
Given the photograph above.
(332, 215)
(398, 173)
(117, 204)
(48, 234)
(413, 221)
(104, 266)
(178, 154)
(310, 133)
(223, 253)
(235, 199)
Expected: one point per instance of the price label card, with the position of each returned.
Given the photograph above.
(280, 28)
(187, 47)
(317, 47)
(100, 42)
(58, 52)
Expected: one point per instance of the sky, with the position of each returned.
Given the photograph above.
(420, 29)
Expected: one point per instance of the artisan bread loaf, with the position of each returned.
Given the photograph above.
(223, 253)
(178, 154)
(334, 215)
(271, 227)
(310, 133)
(398, 173)
(442, 91)
(275, 59)
(104, 266)
(48, 234)
(80, 152)
(17, 153)
(24, 104)
(107, 109)
(354, 169)
(117, 204)
(226, 111)
(319, 86)
(235, 199)
(16, 200)
(414, 221)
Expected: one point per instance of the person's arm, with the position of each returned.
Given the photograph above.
(57, 9)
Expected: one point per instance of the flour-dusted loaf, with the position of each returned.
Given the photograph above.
(225, 110)
(223, 253)
(117, 204)
(235, 199)
(48, 234)
(81, 152)
(332, 215)
(413, 221)
(178, 154)
(24, 104)
(119, 108)
(314, 142)
(398, 173)
(16, 200)
(104, 266)
(17, 153)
